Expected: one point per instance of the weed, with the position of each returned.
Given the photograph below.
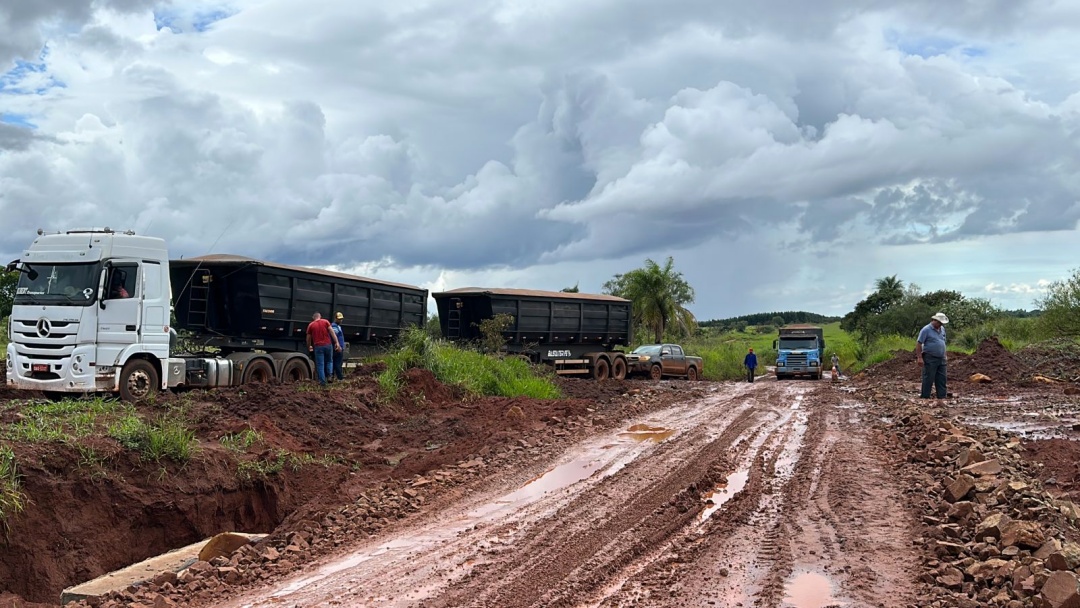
(12, 500)
(166, 437)
(90, 459)
(240, 442)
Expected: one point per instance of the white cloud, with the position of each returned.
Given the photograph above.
(777, 152)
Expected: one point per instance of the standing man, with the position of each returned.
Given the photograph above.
(339, 354)
(750, 361)
(322, 344)
(930, 353)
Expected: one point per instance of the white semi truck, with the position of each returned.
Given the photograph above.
(92, 314)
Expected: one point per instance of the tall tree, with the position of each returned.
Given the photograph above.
(660, 295)
(1061, 307)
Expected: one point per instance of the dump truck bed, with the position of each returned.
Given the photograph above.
(547, 318)
(234, 301)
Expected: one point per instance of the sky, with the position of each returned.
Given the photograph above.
(785, 157)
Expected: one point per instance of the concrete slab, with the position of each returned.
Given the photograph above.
(142, 572)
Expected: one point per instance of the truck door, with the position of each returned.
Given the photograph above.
(678, 360)
(118, 322)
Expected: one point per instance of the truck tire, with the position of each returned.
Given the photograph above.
(600, 369)
(691, 374)
(295, 370)
(618, 369)
(138, 380)
(258, 370)
(656, 373)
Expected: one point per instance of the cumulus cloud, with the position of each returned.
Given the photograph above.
(498, 135)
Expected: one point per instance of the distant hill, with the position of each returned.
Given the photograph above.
(765, 318)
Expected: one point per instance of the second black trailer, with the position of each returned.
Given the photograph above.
(577, 333)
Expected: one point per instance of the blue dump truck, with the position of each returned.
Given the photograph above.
(800, 351)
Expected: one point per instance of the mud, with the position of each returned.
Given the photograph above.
(632, 493)
(87, 516)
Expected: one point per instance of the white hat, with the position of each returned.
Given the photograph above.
(941, 318)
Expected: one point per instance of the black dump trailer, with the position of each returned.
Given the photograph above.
(577, 333)
(236, 304)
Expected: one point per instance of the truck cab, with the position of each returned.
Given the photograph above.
(799, 351)
(90, 314)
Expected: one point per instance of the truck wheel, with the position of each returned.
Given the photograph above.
(656, 372)
(258, 370)
(295, 370)
(600, 369)
(691, 374)
(138, 380)
(618, 368)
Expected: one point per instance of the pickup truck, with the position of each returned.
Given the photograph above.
(659, 360)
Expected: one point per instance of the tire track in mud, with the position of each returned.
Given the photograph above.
(605, 528)
(804, 502)
(823, 528)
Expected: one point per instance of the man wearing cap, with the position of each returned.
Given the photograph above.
(930, 353)
(750, 361)
(339, 339)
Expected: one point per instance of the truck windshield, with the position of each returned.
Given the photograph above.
(650, 349)
(57, 284)
(798, 343)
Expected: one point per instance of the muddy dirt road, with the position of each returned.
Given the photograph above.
(764, 494)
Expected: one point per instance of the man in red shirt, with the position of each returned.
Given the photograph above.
(321, 343)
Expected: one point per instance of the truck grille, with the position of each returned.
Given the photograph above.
(55, 343)
(795, 359)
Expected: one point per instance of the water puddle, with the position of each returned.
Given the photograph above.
(1029, 429)
(643, 432)
(809, 590)
(734, 484)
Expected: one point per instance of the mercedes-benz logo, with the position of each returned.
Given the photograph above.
(44, 327)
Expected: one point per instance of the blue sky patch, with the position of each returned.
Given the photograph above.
(931, 46)
(185, 22)
(18, 120)
(12, 81)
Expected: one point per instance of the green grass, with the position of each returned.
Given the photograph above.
(249, 470)
(477, 373)
(12, 500)
(240, 442)
(167, 436)
(723, 353)
(69, 420)
(64, 421)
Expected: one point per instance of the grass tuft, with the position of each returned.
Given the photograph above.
(477, 373)
(12, 500)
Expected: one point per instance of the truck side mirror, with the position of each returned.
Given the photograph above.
(11, 266)
(774, 344)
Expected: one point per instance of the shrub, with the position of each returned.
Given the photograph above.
(477, 373)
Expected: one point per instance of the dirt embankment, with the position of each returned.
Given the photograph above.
(90, 511)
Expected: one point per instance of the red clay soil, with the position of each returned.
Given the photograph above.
(86, 518)
(990, 358)
(1059, 465)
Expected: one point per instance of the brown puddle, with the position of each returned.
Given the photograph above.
(735, 483)
(809, 590)
(644, 432)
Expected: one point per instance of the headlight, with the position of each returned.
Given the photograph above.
(644, 358)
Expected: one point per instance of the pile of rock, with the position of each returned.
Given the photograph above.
(994, 537)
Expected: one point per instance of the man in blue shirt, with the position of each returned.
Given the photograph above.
(930, 353)
(750, 361)
(339, 354)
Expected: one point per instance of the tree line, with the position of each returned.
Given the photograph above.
(772, 318)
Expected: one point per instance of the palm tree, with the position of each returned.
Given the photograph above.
(889, 285)
(659, 295)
